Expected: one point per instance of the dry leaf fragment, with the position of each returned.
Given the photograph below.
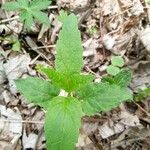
(108, 42)
(15, 68)
(90, 47)
(73, 4)
(29, 142)
(145, 38)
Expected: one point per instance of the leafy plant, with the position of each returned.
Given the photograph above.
(63, 113)
(29, 10)
(116, 63)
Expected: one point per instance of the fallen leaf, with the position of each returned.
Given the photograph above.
(14, 68)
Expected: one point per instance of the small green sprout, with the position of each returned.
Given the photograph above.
(116, 63)
(14, 41)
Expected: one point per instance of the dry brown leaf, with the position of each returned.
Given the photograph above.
(90, 47)
(145, 38)
(10, 131)
(73, 4)
(141, 76)
(29, 141)
(14, 68)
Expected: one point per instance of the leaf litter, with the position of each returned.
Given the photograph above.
(119, 27)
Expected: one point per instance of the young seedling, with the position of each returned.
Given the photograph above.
(84, 97)
(14, 41)
(92, 30)
(142, 94)
(116, 63)
(29, 10)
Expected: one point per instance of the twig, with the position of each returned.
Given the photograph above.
(89, 70)
(142, 109)
(9, 19)
(21, 121)
(145, 120)
(39, 136)
(41, 47)
(53, 7)
(34, 60)
(102, 33)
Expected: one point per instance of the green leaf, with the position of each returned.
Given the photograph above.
(27, 18)
(36, 90)
(16, 46)
(123, 78)
(62, 123)
(112, 70)
(92, 30)
(108, 79)
(11, 6)
(141, 95)
(68, 82)
(39, 5)
(41, 17)
(14, 41)
(117, 61)
(62, 16)
(102, 97)
(23, 3)
(69, 47)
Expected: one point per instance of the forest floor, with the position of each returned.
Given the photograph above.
(108, 27)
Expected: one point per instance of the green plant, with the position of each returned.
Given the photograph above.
(14, 41)
(62, 16)
(82, 96)
(92, 30)
(116, 63)
(29, 10)
(142, 94)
